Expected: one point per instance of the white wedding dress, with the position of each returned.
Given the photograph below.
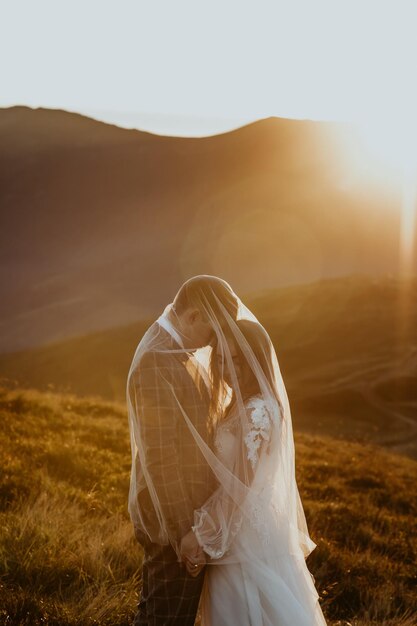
(253, 579)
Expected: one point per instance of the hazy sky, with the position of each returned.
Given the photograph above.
(197, 67)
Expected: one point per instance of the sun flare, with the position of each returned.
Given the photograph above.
(383, 152)
(394, 146)
(393, 143)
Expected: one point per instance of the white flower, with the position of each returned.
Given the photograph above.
(261, 430)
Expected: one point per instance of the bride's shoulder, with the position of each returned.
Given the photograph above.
(257, 402)
(254, 401)
(259, 409)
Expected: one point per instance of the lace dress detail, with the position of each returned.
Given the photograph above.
(261, 428)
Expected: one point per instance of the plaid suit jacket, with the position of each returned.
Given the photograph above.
(179, 473)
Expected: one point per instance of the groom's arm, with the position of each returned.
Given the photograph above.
(158, 415)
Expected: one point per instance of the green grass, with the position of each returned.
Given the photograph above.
(67, 551)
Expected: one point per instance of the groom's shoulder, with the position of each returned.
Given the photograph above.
(154, 358)
(155, 336)
(149, 369)
(157, 349)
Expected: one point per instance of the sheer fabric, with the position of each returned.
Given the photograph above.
(247, 515)
(169, 475)
(252, 579)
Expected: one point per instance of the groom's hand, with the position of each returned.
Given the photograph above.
(192, 554)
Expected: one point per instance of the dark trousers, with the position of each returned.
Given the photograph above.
(170, 596)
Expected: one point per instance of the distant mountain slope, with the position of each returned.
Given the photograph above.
(100, 225)
(347, 349)
(67, 552)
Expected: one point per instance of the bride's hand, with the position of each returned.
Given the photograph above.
(192, 554)
(194, 569)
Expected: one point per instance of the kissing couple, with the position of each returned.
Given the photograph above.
(213, 496)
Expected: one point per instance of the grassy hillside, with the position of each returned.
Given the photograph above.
(68, 556)
(347, 349)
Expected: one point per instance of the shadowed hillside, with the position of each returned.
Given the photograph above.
(68, 556)
(347, 349)
(99, 225)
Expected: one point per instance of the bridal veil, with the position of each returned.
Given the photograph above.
(260, 490)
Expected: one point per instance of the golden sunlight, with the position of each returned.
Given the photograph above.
(408, 220)
(392, 142)
(395, 147)
(385, 153)
(393, 150)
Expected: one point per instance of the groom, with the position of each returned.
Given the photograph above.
(174, 466)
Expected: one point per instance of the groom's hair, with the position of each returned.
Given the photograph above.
(207, 293)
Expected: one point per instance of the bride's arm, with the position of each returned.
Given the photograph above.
(217, 522)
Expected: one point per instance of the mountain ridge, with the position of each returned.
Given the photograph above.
(100, 225)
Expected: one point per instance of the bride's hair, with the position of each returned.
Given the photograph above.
(260, 344)
(205, 292)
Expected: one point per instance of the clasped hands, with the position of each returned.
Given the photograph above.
(192, 554)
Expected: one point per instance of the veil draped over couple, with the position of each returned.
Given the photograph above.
(213, 495)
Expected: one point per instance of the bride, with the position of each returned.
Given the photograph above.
(252, 529)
